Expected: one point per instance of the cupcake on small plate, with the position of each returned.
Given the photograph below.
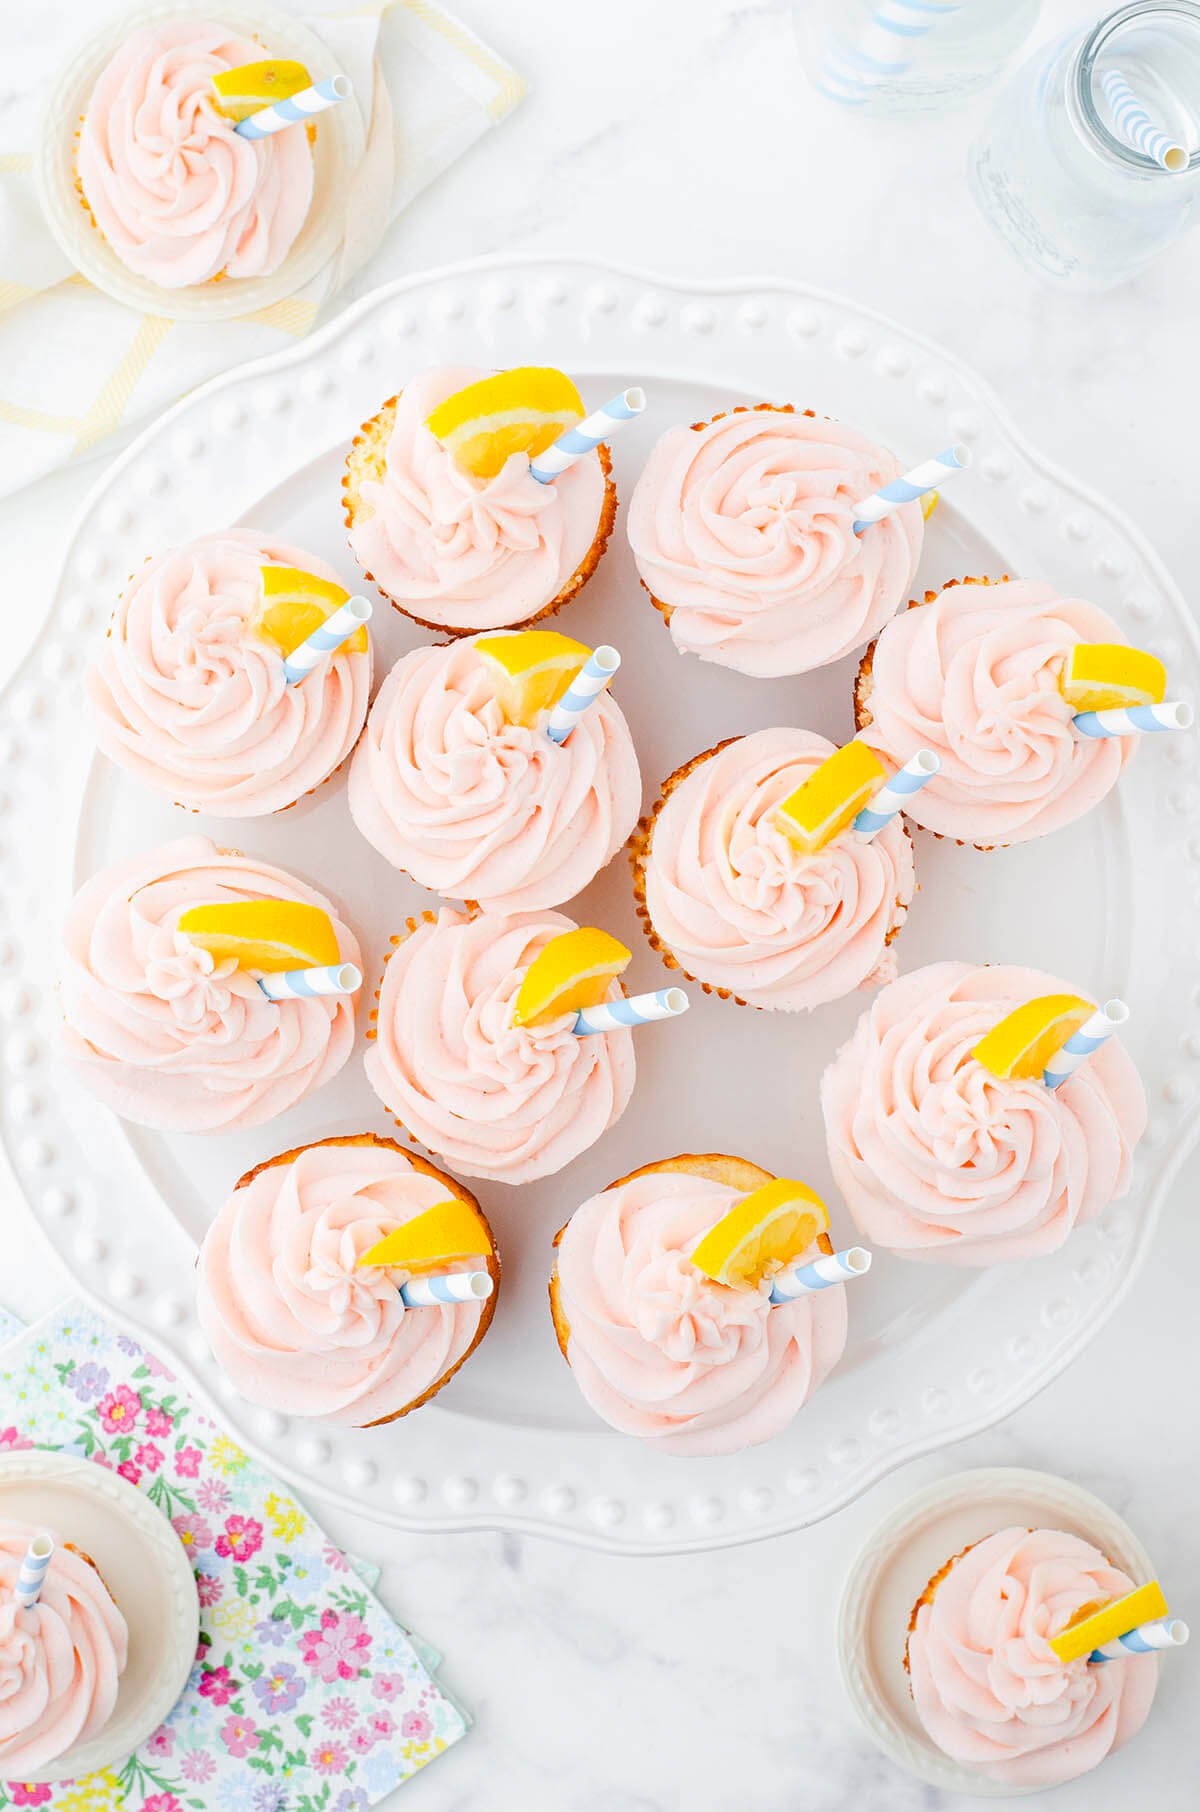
(301, 1274)
(445, 515)
(661, 1299)
(728, 894)
(168, 956)
(960, 1151)
(458, 782)
(189, 691)
(742, 528)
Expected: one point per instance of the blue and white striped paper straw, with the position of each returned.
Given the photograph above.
(302, 984)
(594, 677)
(1163, 1632)
(587, 435)
(1091, 1035)
(1132, 123)
(449, 1286)
(32, 1574)
(909, 486)
(302, 106)
(1126, 720)
(881, 51)
(638, 1010)
(821, 1274)
(326, 638)
(895, 794)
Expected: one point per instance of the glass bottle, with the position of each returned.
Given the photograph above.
(908, 56)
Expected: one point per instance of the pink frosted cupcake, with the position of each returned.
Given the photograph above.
(939, 1159)
(742, 530)
(481, 809)
(169, 1036)
(188, 691)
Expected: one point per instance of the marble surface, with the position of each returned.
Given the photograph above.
(680, 135)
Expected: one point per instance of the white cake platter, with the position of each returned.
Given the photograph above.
(934, 1353)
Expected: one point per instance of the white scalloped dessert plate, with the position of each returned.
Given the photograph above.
(934, 1353)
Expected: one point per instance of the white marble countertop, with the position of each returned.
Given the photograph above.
(680, 135)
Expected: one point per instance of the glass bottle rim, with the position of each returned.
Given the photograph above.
(1084, 63)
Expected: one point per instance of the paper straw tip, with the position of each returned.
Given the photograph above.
(480, 1285)
(957, 455)
(858, 1260)
(342, 86)
(1182, 716)
(349, 979)
(927, 761)
(1115, 1011)
(677, 999)
(635, 398)
(360, 608)
(1175, 159)
(1178, 1631)
(42, 1546)
(606, 658)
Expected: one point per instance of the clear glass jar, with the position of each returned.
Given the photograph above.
(908, 56)
(1052, 175)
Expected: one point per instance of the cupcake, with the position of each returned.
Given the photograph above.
(938, 1158)
(457, 551)
(295, 1319)
(181, 196)
(188, 691)
(494, 1099)
(727, 897)
(973, 674)
(483, 809)
(742, 530)
(60, 1660)
(988, 1688)
(165, 1033)
(659, 1349)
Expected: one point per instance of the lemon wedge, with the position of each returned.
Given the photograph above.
(929, 503)
(572, 971)
(1084, 1633)
(1101, 676)
(450, 1229)
(295, 603)
(530, 670)
(1020, 1046)
(766, 1231)
(252, 86)
(831, 798)
(271, 935)
(521, 411)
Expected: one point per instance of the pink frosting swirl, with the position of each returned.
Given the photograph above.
(661, 1351)
(481, 809)
(463, 552)
(739, 908)
(743, 528)
(162, 1032)
(178, 193)
(494, 1099)
(297, 1323)
(974, 675)
(937, 1158)
(60, 1661)
(189, 698)
(988, 1687)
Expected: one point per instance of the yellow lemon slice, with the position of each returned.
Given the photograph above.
(766, 1231)
(1024, 1041)
(451, 1229)
(1100, 676)
(831, 798)
(1083, 1634)
(571, 972)
(530, 670)
(295, 603)
(271, 935)
(520, 411)
(929, 503)
(253, 86)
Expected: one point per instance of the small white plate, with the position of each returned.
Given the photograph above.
(145, 1567)
(900, 1559)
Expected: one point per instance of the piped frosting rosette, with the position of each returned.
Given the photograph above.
(988, 1687)
(973, 674)
(293, 1317)
(494, 1099)
(728, 898)
(480, 809)
(60, 1661)
(742, 530)
(169, 1036)
(189, 695)
(939, 1159)
(178, 193)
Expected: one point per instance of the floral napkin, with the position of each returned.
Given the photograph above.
(305, 1695)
